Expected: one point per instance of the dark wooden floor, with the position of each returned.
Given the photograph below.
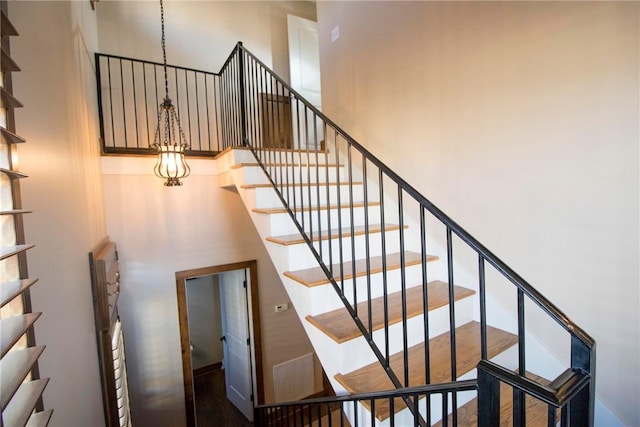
(212, 407)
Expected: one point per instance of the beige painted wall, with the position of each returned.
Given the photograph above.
(64, 189)
(520, 120)
(200, 34)
(162, 230)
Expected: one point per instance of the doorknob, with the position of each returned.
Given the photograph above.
(223, 338)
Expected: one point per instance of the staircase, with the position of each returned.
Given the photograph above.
(415, 322)
(340, 344)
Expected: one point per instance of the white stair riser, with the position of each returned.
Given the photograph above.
(291, 174)
(282, 224)
(321, 296)
(329, 250)
(234, 157)
(267, 198)
(296, 157)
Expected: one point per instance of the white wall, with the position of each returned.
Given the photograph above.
(520, 120)
(64, 190)
(205, 324)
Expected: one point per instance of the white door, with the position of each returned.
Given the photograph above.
(304, 70)
(304, 58)
(237, 349)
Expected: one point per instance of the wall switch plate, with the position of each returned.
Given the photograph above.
(335, 33)
(281, 307)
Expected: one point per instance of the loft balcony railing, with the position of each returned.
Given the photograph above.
(246, 104)
(130, 92)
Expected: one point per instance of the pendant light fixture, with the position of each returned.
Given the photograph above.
(169, 140)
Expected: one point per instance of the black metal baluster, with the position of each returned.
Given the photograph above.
(277, 167)
(551, 416)
(135, 104)
(317, 182)
(367, 250)
(208, 113)
(445, 411)
(328, 208)
(300, 173)
(146, 103)
(309, 201)
(339, 200)
(385, 283)
(403, 288)
(483, 308)
(518, 397)
(124, 112)
(195, 80)
(353, 249)
(186, 84)
(113, 128)
(425, 304)
(452, 319)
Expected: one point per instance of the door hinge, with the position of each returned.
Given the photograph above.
(251, 398)
(244, 284)
(248, 341)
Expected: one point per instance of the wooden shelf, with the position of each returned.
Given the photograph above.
(9, 251)
(8, 100)
(6, 27)
(10, 290)
(14, 367)
(7, 64)
(12, 328)
(15, 212)
(40, 419)
(13, 174)
(10, 137)
(19, 410)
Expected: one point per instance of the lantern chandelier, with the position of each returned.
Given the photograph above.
(169, 140)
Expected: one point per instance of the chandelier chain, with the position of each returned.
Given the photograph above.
(164, 52)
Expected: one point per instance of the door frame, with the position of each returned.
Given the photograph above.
(185, 347)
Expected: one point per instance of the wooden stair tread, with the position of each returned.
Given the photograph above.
(315, 276)
(373, 377)
(301, 184)
(271, 211)
(334, 233)
(340, 327)
(537, 411)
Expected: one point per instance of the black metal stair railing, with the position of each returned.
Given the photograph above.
(332, 411)
(283, 130)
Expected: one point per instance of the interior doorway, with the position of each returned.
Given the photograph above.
(237, 284)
